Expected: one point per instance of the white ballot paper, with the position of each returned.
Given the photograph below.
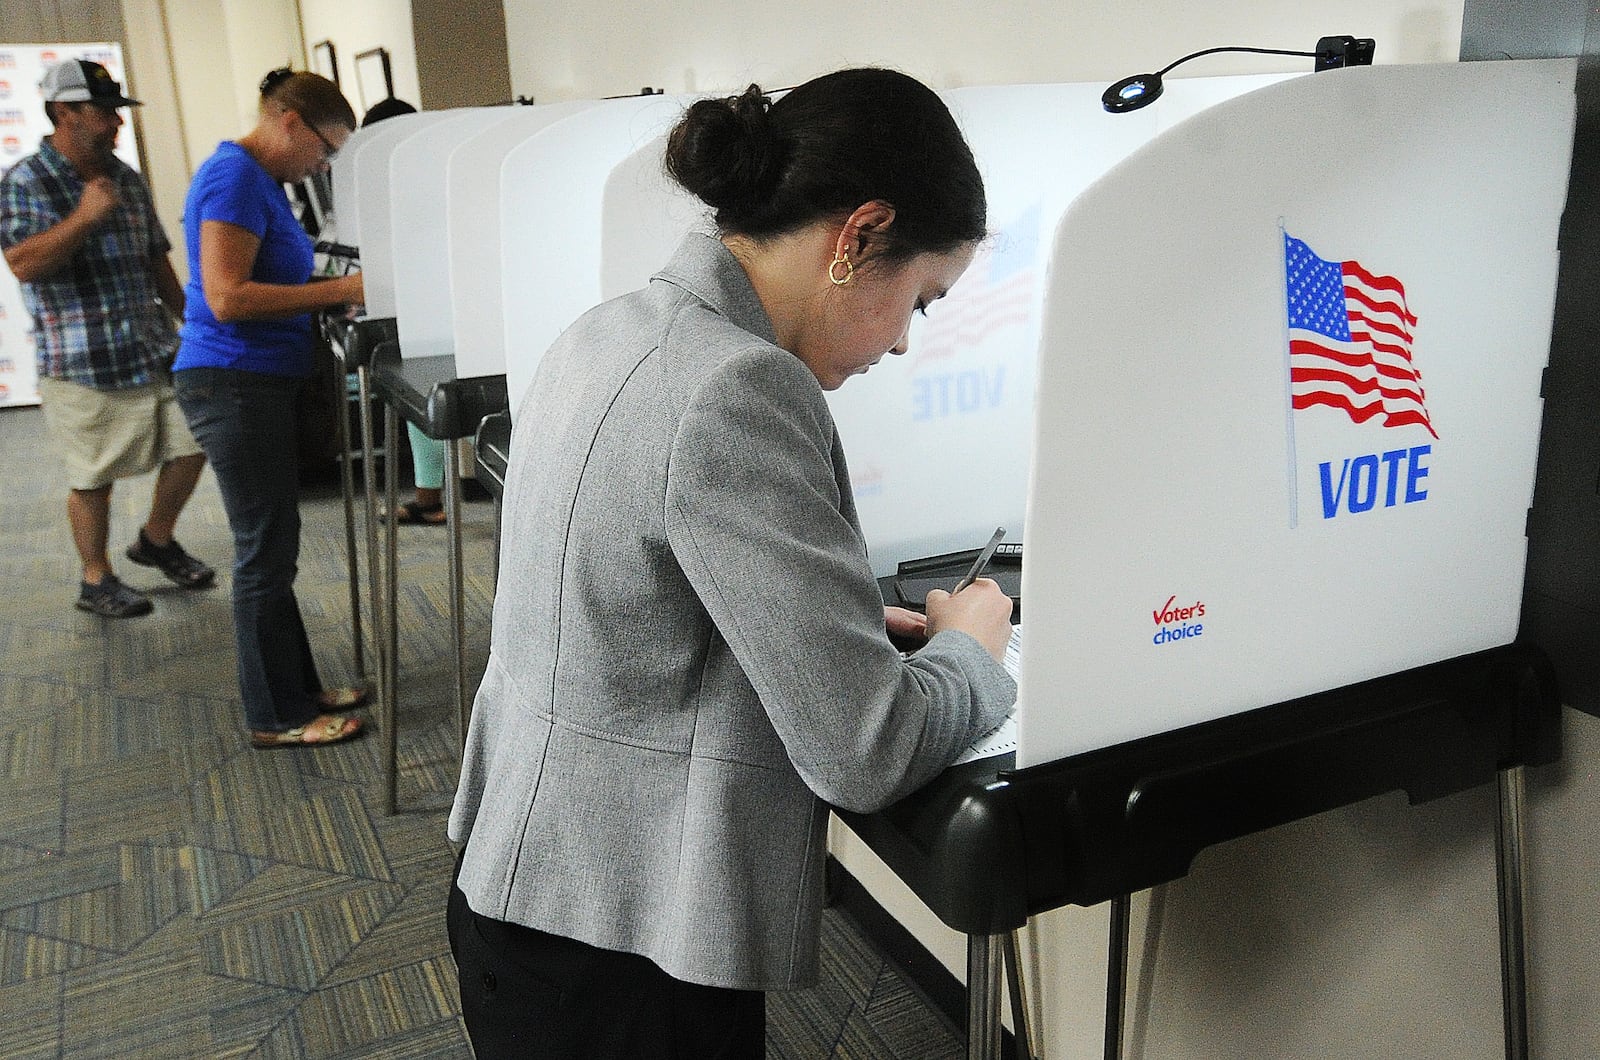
(1003, 737)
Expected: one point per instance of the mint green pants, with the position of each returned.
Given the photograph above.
(427, 459)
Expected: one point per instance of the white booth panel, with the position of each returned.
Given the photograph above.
(472, 205)
(644, 216)
(373, 226)
(1288, 398)
(347, 171)
(418, 223)
(342, 182)
(551, 192)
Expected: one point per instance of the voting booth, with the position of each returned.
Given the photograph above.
(1286, 419)
(1292, 415)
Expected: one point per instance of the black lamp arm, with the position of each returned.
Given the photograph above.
(1233, 48)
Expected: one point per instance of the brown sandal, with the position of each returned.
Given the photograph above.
(331, 728)
(414, 513)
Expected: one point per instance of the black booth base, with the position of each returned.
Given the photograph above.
(1106, 823)
(1567, 631)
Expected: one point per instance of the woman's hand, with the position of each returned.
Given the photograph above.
(981, 610)
(907, 629)
(348, 289)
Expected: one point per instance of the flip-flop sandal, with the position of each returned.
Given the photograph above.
(414, 514)
(336, 729)
(341, 698)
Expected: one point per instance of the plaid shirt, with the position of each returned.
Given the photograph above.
(96, 321)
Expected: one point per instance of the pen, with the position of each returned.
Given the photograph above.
(982, 561)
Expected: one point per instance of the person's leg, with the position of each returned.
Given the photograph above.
(710, 1023)
(427, 469)
(89, 515)
(175, 484)
(98, 436)
(427, 461)
(181, 462)
(101, 592)
(530, 993)
(245, 423)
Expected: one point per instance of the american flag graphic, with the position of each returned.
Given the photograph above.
(1350, 335)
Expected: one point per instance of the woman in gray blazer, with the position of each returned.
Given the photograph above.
(690, 658)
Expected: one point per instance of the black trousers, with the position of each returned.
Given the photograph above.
(530, 994)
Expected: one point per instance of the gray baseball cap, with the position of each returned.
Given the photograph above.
(81, 81)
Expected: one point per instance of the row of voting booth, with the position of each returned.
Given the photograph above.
(1256, 369)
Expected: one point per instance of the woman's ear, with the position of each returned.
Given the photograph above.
(862, 229)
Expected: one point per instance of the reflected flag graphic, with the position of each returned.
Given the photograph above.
(999, 290)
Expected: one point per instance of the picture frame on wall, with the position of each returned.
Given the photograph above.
(374, 77)
(325, 60)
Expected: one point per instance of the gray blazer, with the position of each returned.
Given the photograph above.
(688, 657)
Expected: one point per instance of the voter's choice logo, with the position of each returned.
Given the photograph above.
(11, 145)
(12, 116)
(8, 60)
(1178, 621)
(1350, 338)
(5, 89)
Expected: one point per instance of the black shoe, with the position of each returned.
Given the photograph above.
(174, 562)
(113, 599)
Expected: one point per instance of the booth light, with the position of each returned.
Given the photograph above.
(1140, 90)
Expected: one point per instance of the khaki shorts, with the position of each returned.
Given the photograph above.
(104, 435)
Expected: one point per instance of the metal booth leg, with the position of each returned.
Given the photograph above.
(983, 996)
(1021, 1032)
(1117, 976)
(1508, 833)
(341, 403)
(458, 621)
(369, 482)
(390, 621)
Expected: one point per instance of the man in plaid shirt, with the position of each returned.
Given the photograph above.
(78, 229)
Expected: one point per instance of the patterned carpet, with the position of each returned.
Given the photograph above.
(165, 891)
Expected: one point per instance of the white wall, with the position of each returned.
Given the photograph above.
(196, 64)
(573, 49)
(355, 26)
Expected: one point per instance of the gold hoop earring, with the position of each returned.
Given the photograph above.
(849, 270)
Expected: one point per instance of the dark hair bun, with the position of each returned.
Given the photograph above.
(725, 151)
(828, 147)
(275, 78)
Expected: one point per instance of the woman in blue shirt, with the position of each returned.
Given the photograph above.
(246, 349)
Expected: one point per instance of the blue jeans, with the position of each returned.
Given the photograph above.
(245, 422)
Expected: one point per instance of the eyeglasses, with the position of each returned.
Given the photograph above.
(329, 148)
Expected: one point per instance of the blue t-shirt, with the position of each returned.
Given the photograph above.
(231, 186)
